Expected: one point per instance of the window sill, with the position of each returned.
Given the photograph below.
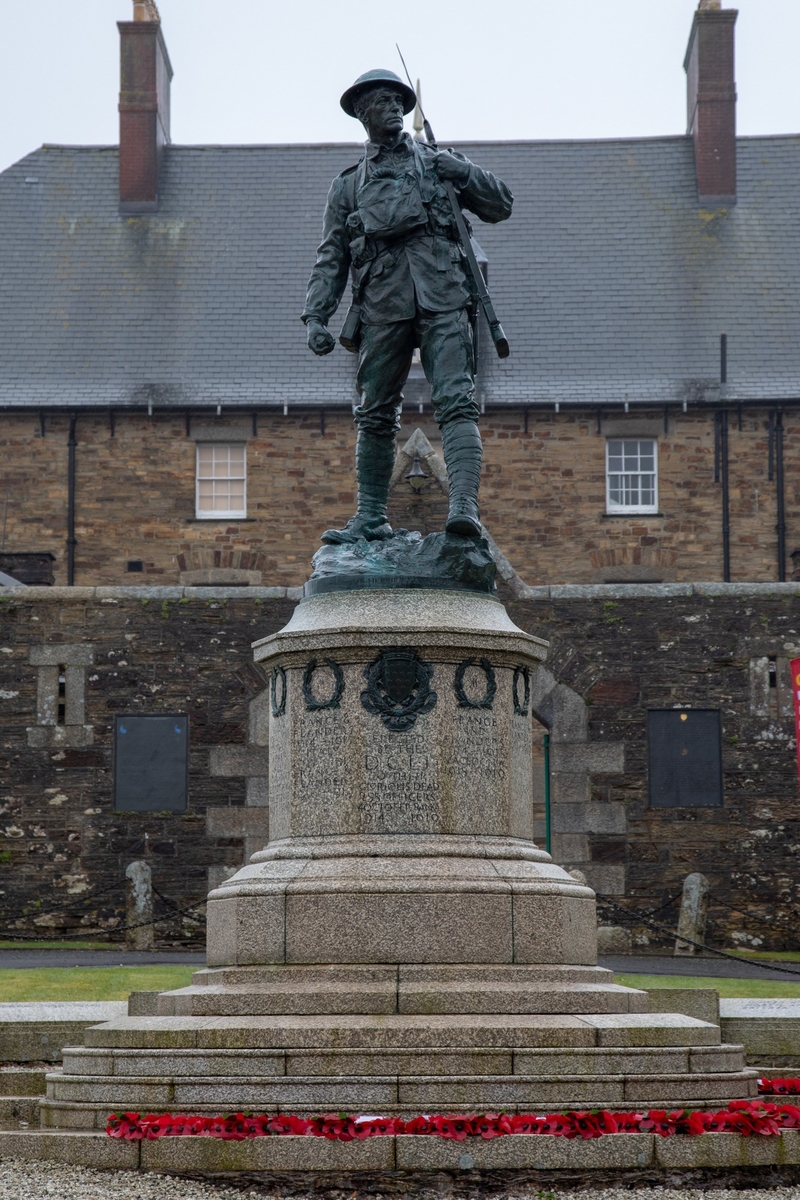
(613, 516)
(227, 520)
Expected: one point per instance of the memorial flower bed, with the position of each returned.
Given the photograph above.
(779, 1087)
(746, 1117)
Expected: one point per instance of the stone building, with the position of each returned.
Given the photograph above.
(150, 296)
(168, 445)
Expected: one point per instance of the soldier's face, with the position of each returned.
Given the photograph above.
(382, 113)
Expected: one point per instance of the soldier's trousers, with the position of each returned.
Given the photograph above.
(445, 345)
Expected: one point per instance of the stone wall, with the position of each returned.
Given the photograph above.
(625, 650)
(64, 848)
(543, 495)
(615, 652)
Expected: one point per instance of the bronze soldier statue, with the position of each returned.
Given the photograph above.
(388, 220)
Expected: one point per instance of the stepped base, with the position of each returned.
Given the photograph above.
(398, 1063)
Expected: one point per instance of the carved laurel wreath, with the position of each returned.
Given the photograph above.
(487, 700)
(312, 703)
(277, 691)
(522, 707)
(399, 715)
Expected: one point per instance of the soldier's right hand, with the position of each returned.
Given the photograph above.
(319, 339)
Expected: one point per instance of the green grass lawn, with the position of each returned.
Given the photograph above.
(88, 983)
(774, 955)
(10, 944)
(754, 989)
(115, 983)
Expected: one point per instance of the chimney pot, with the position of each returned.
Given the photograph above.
(711, 101)
(145, 76)
(145, 10)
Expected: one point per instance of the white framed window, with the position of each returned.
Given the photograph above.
(221, 480)
(632, 475)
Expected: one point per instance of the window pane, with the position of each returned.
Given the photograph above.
(221, 462)
(631, 473)
(221, 478)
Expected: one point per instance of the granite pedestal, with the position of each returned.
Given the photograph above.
(401, 944)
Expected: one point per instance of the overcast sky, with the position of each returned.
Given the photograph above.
(260, 71)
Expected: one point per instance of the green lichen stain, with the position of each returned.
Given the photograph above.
(712, 222)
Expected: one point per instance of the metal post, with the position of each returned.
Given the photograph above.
(73, 418)
(547, 792)
(726, 508)
(779, 487)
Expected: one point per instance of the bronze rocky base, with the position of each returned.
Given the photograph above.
(440, 560)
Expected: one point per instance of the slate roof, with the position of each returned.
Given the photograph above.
(610, 281)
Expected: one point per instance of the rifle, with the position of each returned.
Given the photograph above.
(495, 328)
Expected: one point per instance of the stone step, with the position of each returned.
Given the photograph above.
(80, 1101)
(250, 1064)
(23, 1081)
(19, 1110)
(402, 1031)
(33, 1032)
(460, 988)
(367, 1163)
(340, 1092)
(252, 978)
(451, 997)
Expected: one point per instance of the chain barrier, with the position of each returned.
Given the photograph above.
(671, 933)
(85, 934)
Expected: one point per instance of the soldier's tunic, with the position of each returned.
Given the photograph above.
(388, 220)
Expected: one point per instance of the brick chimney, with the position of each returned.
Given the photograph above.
(145, 75)
(711, 101)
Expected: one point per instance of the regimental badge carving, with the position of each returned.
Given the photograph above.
(313, 704)
(399, 688)
(522, 707)
(277, 691)
(487, 700)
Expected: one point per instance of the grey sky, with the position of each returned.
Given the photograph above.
(261, 71)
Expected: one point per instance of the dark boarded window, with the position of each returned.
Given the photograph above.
(151, 763)
(684, 758)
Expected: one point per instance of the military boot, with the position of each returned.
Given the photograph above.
(463, 450)
(374, 466)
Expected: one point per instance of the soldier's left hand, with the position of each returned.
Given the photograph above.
(449, 167)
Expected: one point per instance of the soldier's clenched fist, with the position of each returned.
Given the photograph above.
(319, 340)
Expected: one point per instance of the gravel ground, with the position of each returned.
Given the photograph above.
(53, 1181)
(658, 1193)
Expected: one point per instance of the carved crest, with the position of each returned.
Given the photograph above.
(487, 700)
(277, 691)
(398, 688)
(522, 707)
(313, 704)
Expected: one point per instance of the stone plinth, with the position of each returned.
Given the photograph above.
(400, 944)
(400, 795)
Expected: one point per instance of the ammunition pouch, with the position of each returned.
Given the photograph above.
(350, 333)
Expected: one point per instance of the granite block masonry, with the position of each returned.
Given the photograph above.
(400, 943)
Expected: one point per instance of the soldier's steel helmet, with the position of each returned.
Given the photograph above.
(374, 79)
